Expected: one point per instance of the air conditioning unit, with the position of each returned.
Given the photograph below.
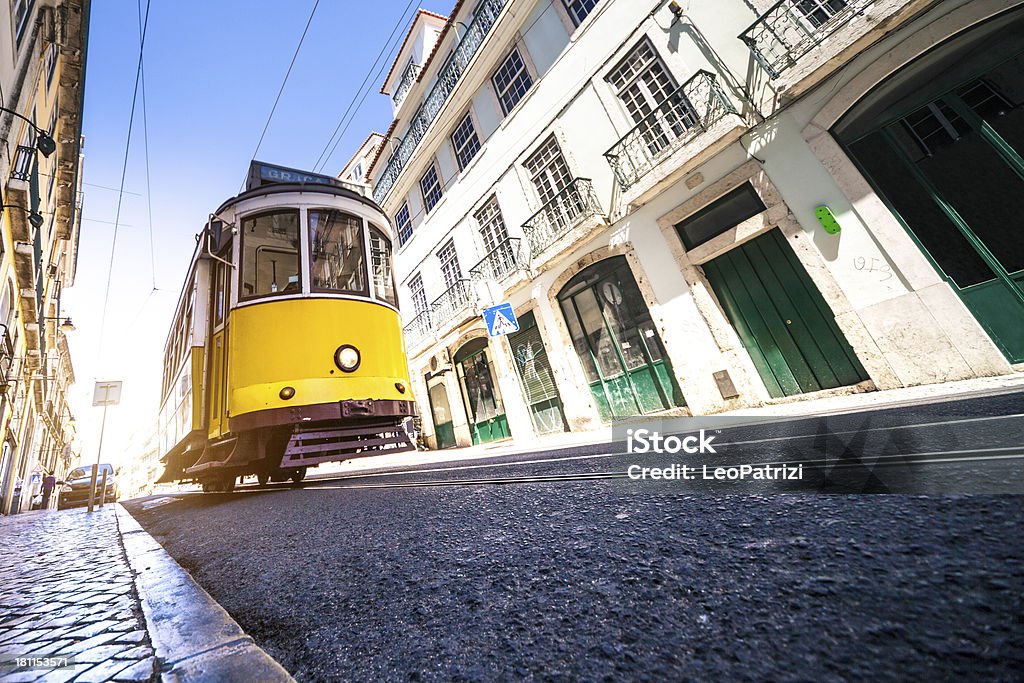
(440, 362)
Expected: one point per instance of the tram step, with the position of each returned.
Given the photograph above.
(317, 445)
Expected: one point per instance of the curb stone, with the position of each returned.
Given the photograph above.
(195, 639)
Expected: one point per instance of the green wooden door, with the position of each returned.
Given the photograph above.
(781, 318)
(444, 430)
(615, 338)
(943, 144)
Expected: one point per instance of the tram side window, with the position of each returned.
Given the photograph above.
(336, 250)
(270, 254)
(218, 294)
(380, 264)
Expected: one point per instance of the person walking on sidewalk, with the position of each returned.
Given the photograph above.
(49, 483)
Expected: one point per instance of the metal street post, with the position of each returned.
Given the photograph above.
(104, 394)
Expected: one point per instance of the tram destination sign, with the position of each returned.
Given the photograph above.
(261, 174)
(500, 319)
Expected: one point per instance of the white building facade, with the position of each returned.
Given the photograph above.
(700, 207)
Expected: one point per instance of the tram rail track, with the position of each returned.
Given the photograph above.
(813, 465)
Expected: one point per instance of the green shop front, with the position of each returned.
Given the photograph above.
(484, 408)
(942, 142)
(622, 354)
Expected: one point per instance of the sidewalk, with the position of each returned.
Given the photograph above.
(66, 590)
(98, 590)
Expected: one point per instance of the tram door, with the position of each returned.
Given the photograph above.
(218, 368)
(485, 410)
(943, 143)
(615, 338)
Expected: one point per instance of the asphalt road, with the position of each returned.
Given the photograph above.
(383, 578)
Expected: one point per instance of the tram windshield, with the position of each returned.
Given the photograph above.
(346, 255)
(270, 254)
(336, 252)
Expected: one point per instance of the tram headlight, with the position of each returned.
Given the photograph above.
(347, 358)
(286, 393)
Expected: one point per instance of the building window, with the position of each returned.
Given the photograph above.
(720, 215)
(578, 9)
(465, 142)
(380, 266)
(22, 11)
(937, 125)
(357, 172)
(492, 225)
(650, 94)
(511, 81)
(336, 252)
(548, 171)
(51, 63)
(430, 185)
(450, 270)
(403, 224)
(818, 12)
(419, 295)
(270, 254)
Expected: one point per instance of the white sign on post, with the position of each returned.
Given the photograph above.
(106, 393)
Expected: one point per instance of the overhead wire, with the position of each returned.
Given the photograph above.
(386, 47)
(145, 139)
(124, 173)
(284, 82)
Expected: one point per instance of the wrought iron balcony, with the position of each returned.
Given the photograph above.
(24, 157)
(505, 258)
(565, 211)
(791, 28)
(690, 110)
(486, 14)
(456, 298)
(418, 329)
(408, 78)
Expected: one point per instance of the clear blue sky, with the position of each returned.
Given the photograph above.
(212, 71)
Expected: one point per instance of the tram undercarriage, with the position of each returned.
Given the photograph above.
(282, 453)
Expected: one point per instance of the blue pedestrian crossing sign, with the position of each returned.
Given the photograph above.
(500, 319)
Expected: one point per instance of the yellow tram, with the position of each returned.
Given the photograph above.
(286, 348)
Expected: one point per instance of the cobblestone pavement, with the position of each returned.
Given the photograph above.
(66, 590)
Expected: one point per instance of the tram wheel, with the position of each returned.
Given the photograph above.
(298, 475)
(229, 485)
(263, 478)
(206, 487)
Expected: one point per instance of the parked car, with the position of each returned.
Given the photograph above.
(75, 490)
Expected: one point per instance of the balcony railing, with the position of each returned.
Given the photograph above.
(456, 298)
(24, 157)
(566, 210)
(505, 258)
(690, 110)
(408, 78)
(486, 14)
(791, 28)
(418, 329)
